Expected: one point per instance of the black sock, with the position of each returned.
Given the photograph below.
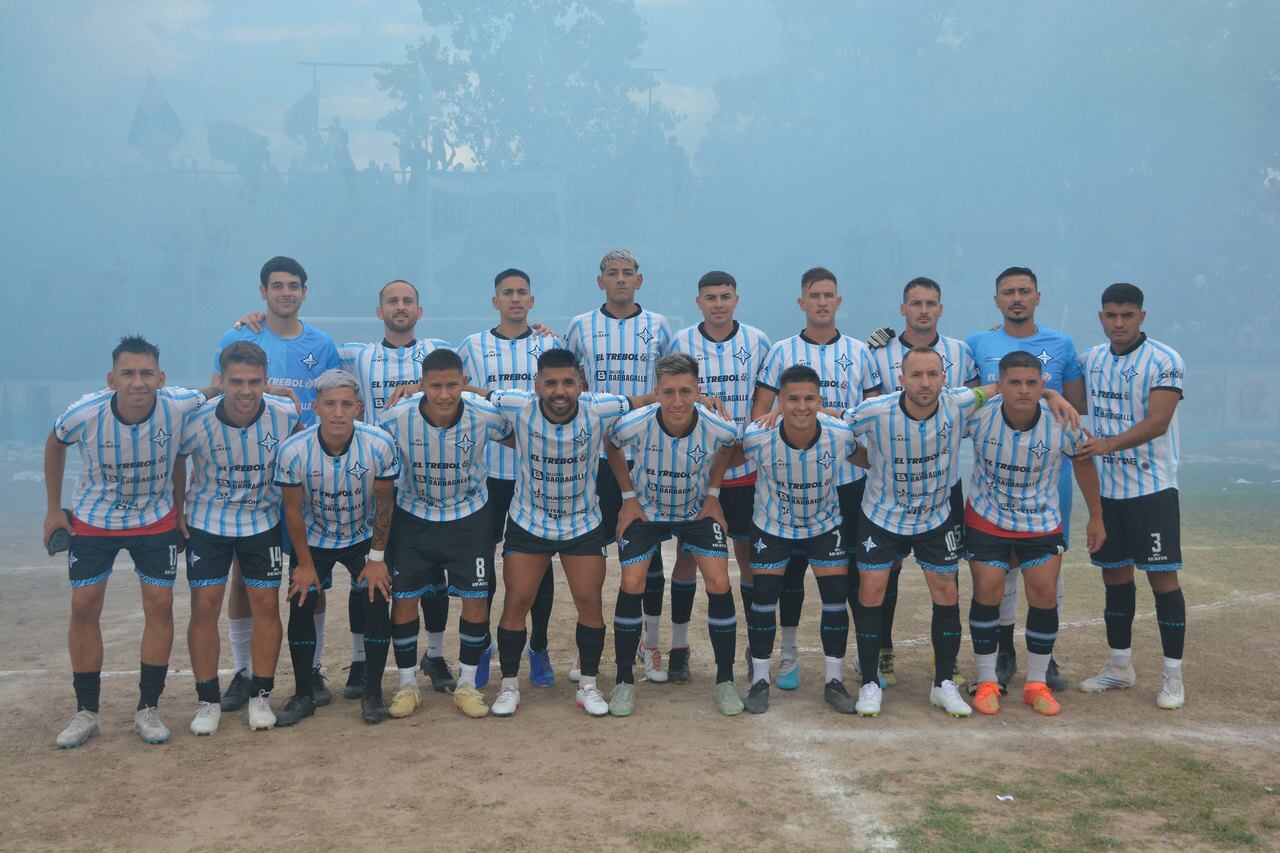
(762, 618)
(1004, 639)
(627, 622)
(208, 690)
(834, 590)
(355, 610)
(88, 687)
(984, 620)
(540, 612)
(473, 639)
(151, 684)
(1042, 629)
(655, 584)
(1171, 616)
(377, 636)
(1118, 613)
(866, 627)
(510, 650)
(302, 640)
(261, 684)
(682, 593)
(889, 608)
(791, 593)
(435, 611)
(491, 584)
(945, 631)
(747, 590)
(404, 637)
(722, 625)
(590, 647)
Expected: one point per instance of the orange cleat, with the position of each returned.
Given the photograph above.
(987, 698)
(1038, 695)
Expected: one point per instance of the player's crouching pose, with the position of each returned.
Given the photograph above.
(681, 451)
(441, 522)
(1013, 521)
(338, 479)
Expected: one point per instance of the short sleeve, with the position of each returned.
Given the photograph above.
(1171, 373)
(772, 370)
(467, 352)
(1071, 441)
(573, 339)
(968, 364)
(871, 379)
(388, 460)
(185, 400)
(966, 400)
(607, 407)
(190, 436)
(627, 430)
(289, 466)
(330, 359)
(754, 437)
(347, 355)
(70, 425)
(665, 337)
(496, 426)
(509, 401)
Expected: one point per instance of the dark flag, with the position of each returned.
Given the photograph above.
(156, 129)
(232, 143)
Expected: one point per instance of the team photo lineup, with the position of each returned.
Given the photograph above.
(429, 472)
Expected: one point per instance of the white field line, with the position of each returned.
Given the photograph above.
(1262, 736)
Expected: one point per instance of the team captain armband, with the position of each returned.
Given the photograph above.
(981, 396)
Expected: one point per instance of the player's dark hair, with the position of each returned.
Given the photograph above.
(136, 344)
(921, 351)
(814, 274)
(397, 281)
(242, 352)
(557, 357)
(717, 278)
(507, 273)
(1122, 293)
(674, 364)
(798, 373)
(1012, 271)
(1019, 358)
(921, 281)
(441, 359)
(280, 263)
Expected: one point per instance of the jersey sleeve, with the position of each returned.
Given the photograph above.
(573, 339)
(190, 435)
(329, 359)
(849, 441)
(862, 417)
(496, 426)
(967, 400)
(470, 360)
(871, 379)
(607, 407)
(772, 370)
(723, 433)
(1072, 371)
(289, 466)
(388, 458)
(70, 425)
(509, 401)
(186, 400)
(627, 429)
(666, 337)
(347, 355)
(968, 364)
(1171, 372)
(1071, 440)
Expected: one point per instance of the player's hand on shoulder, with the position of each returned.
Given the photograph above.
(769, 419)
(400, 392)
(255, 320)
(287, 393)
(714, 404)
(881, 337)
(542, 330)
(1063, 412)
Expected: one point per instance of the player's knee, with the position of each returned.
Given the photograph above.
(404, 610)
(871, 586)
(1117, 577)
(717, 582)
(265, 605)
(475, 610)
(206, 606)
(1162, 582)
(686, 568)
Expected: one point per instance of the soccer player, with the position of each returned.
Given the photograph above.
(297, 353)
(1012, 522)
(619, 343)
(798, 508)
(730, 356)
(506, 356)
(234, 512)
(922, 308)
(1017, 297)
(338, 482)
(124, 500)
(441, 523)
(681, 451)
(846, 375)
(1135, 384)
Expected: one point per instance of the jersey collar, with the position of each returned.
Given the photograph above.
(1034, 421)
(386, 343)
(422, 410)
(1142, 339)
(345, 447)
(809, 340)
(902, 404)
(702, 330)
(494, 331)
(662, 426)
(632, 315)
(222, 414)
(782, 432)
(115, 411)
(933, 343)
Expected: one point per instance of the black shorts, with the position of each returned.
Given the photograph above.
(155, 557)
(521, 541)
(641, 539)
(739, 503)
(1144, 532)
(352, 557)
(261, 558)
(773, 552)
(420, 553)
(1027, 551)
(956, 519)
(936, 551)
(500, 494)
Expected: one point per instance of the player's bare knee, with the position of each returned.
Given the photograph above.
(475, 610)
(265, 605)
(1162, 582)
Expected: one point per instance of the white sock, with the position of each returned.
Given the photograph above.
(788, 643)
(586, 681)
(1037, 667)
(435, 644)
(315, 659)
(834, 667)
(240, 633)
(1062, 593)
(986, 665)
(408, 675)
(510, 683)
(1173, 668)
(651, 638)
(679, 635)
(1122, 657)
(467, 677)
(357, 648)
(759, 669)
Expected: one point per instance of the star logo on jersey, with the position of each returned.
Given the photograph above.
(843, 362)
(1039, 448)
(947, 363)
(465, 444)
(534, 351)
(357, 470)
(1129, 372)
(944, 431)
(623, 543)
(870, 544)
(161, 438)
(697, 455)
(583, 436)
(646, 336)
(743, 354)
(759, 546)
(1044, 356)
(310, 361)
(268, 442)
(418, 354)
(826, 459)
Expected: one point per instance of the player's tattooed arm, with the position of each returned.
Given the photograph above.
(302, 573)
(1087, 480)
(375, 573)
(1161, 405)
(55, 464)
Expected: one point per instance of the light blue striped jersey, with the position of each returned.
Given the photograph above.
(491, 361)
(670, 474)
(291, 362)
(382, 368)
(442, 470)
(796, 495)
(957, 360)
(1055, 350)
(556, 464)
(231, 487)
(126, 479)
(727, 370)
(1016, 472)
(913, 462)
(1119, 390)
(845, 369)
(337, 491)
(618, 354)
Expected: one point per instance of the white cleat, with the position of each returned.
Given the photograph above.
(591, 700)
(83, 726)
(205, 722)
(868, 704)
(1110, 677)
(651, 658)
(575, 674)
(947, 697)
(260, 714)
(150, 727)
(507, 702)
(1172, 695)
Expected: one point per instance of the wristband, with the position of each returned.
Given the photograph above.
(377, 556)
(626, 496)
(713, 492)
